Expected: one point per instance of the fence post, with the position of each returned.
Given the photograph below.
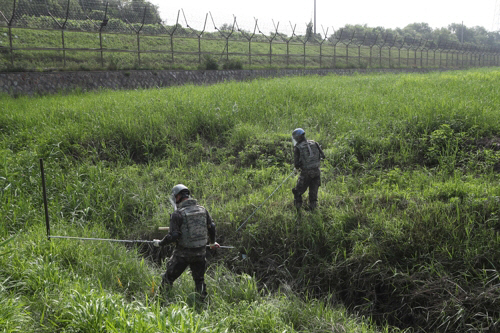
(381, 46)
(434, 57)
(409, 43)
(464, 52)
(415, 53)
(249, 38)
(304, 42)
(399, 52)
(270, 40)
(321, 47)
(335, 48)
(62, 32)
(380, 54)
(371, 49)
(226, 47)
(139, 36)
(9, 24)
(198, 35)
(288, 44)
(61, 26)
(359, 42)
(422, 54)
(440, 52)
(347, 49)
(171, 34)
(447, 52)
(227, 39)
(426, 48)
(11, 47)
(103, 24)
(394, 40)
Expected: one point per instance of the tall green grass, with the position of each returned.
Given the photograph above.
(406, 235)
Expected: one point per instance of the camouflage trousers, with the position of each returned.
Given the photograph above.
(309, 178)
(178, 264)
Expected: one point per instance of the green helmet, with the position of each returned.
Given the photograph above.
(177, 189)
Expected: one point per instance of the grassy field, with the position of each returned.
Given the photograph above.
(406, 237)
(42, 50)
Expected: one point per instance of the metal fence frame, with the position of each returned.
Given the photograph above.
(341, 49)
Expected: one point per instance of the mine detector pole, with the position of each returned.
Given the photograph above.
(47, 223)
(45, 200)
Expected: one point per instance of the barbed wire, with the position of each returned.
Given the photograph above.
(121, 16)
(135, 18)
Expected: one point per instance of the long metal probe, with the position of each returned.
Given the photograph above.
(241, 226)
(122, 240)
(45, 200)
(104, 239)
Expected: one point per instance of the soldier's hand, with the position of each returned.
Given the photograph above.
(296, 170)
(156, 242)
(214, 246)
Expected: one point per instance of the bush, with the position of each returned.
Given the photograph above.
(210, 63)
(233, 64)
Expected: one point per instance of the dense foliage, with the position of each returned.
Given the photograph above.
(130, 10)
(454, 36)
(407, 232)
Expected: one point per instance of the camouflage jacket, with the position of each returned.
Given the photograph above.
(175, 232)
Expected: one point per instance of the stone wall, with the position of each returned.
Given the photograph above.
(41, 83)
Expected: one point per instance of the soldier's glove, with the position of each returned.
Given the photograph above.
(156, 242)
(214, 246)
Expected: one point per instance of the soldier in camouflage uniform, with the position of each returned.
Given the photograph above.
(307, 157)
(191, 226)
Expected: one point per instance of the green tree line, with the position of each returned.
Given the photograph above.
(131, 10)
(419, 32)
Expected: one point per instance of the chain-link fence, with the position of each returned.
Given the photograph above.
(120, 34)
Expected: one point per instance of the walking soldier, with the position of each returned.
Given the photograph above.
(191, 226)
(307, 157)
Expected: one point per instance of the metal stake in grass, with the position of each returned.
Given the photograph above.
(45, 200)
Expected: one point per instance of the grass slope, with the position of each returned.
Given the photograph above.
(407, 232)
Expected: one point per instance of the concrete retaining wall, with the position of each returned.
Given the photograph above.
(33, 83)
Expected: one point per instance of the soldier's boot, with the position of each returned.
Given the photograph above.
(312, 205)
(297, 200)
(201, 290)
(165, 287)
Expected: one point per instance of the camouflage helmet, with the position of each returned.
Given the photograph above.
(177, 189)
